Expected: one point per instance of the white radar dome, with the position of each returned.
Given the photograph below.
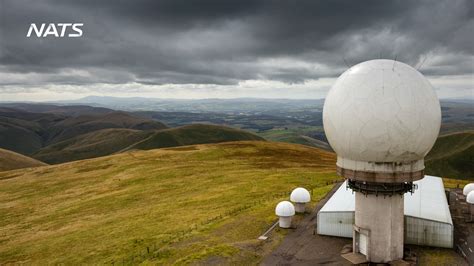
(382, 116)
(470, 197)
(468, 188)
(300, 195)
(285, 209)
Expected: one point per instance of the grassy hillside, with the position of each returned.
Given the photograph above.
(66, 110)
(109, 141)
(193, 134)
(94, 144)
(204, 203)
(22, 131)
(27, 132)
(452, 156)
(299, 135)
(11, 160)
(76, 126)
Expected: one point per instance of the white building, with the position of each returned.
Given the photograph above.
(427, 218)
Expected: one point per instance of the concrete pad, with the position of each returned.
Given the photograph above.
(355, 258)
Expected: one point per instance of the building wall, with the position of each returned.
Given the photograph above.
(417, 231)
(428, 233)
(335, 224)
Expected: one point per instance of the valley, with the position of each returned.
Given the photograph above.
(173, 181)
(62, 132)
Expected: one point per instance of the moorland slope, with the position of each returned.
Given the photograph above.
(10, 160)
(108, 141)
(27, 132)
(452, 156)
(192, 204)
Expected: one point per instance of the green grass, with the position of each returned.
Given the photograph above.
(109, 141)
(455, 183)
(11, 160)
(205, 203)
(98, 143)
(281, 133)
(452, 156)
(437, 256)
(297, 135)
(202, 204)
(193, 134)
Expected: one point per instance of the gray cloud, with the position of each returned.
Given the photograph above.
(225, 42)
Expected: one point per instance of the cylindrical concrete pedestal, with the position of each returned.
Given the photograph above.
(285, 221)
(382, 219)
(471, 211)
(300, 207)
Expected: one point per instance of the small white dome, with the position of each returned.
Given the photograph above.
(468, 188)
(300, 195)
(470, 197)
(285, 209)
(381, 111)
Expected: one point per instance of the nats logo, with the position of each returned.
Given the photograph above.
(57, 30)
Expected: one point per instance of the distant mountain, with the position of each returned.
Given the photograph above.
(109, 141)
(67, 110)
(452, 156)
(11, 160)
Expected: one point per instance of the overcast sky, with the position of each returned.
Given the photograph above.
(226, 49)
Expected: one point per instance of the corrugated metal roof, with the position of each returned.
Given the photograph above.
(427, 202)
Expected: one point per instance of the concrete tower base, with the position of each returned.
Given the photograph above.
(285, 221)
(300, 207)
(378, 229)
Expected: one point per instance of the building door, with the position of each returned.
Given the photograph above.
(363, 244)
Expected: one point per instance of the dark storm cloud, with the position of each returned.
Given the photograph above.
(224, 42)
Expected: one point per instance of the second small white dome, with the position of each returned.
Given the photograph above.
(285, 208)
(470, 197)
(468, 188)
(300, 195)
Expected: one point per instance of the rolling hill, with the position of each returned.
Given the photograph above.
(193, 134)
(22, 131)
(109, 141)
(57, 134)
(65, 110)
(200, 204)
(75, 126)
(192, 204)
(27, 132)
(11, 160)
(452, 156)
(90, 145)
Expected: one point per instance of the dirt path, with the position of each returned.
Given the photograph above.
(302, 246)
(463, 229)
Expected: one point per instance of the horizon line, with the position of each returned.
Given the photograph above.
(192, 99)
